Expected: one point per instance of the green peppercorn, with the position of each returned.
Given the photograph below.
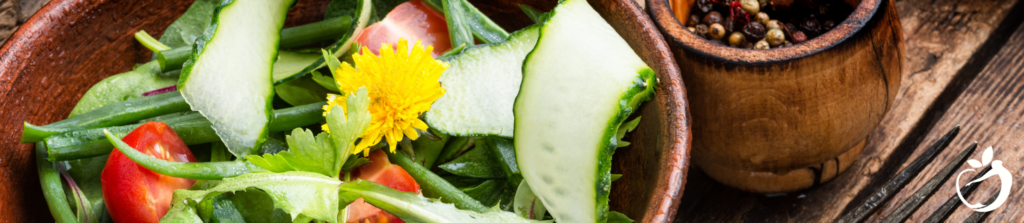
(773, 24)
(761, 45)
(716, 31)
(762, 18)
(787, 44)
(735, 39)
(775, 37)
(751, 6)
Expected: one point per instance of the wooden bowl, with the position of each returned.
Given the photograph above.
(787, 118)
(71, 44)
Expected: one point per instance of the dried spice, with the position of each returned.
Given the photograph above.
(775, 23)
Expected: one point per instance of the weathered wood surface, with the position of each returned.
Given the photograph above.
(948, 42)
(989, 111)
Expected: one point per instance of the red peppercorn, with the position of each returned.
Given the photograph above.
(798, 37)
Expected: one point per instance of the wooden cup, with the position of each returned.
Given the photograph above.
(785, 119)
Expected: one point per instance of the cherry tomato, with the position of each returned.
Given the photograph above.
(381, 171)
(133, 193)
(413, 21)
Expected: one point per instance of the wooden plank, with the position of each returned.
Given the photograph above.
(990, 112)
(941, 38)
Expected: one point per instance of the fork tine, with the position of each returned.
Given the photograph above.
(980, 216)
(947, 208)
(883, 194)
(914, 202)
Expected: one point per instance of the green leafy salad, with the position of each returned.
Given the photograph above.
(385, 111)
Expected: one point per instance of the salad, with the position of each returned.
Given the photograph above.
(385, 111)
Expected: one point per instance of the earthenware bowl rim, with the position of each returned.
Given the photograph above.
(673, 177)
(674, 32)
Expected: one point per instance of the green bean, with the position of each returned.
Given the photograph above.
(435, 186)
(53, 188)
(173, 58)
(192, 128)
(189, 170)
(317, 32)
(289, 118)
(297, 36)
(120, 113)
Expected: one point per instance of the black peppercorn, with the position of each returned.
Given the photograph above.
(790, 28)
(811, 25)
(828, 25)
(754, 31)
(798, 37)
(702, 30)
(704, 5)
(729, 25)
(693, 21)
(712, 18)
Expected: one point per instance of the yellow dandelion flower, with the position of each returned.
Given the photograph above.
(401, 87)
(333, 99)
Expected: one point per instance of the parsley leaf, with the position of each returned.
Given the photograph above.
(325, 153)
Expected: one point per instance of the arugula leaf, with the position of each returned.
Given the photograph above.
(478, 162)
(298, 193)
(181, 214)
(412, 207)
(504, 152)
(191, 25)
(325, 153)
(224, 210)
(252, 205)
(487, 192)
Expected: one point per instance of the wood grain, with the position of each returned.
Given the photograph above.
(784, 119)
(990, 112)
(942, 37)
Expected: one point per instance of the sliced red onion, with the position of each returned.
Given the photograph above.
(74, 189)
(161, 90)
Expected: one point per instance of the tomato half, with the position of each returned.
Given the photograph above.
(413, 21)
(380, 170)
(133, 193)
